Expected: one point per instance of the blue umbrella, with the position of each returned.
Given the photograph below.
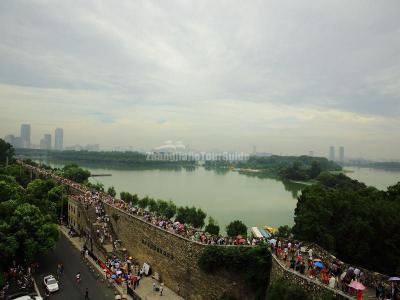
(319, 264)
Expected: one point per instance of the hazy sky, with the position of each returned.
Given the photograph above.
(286, 76)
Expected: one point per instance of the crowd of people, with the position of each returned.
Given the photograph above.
(18, 278)
(332, 273)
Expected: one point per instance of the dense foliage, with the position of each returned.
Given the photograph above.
(284, 290)
(192, 216)
(212, 227)
(235, 228)
(285, 167)
(6, 152)
(75, 173)
(27, 216)
(359, 224)
(252, 262)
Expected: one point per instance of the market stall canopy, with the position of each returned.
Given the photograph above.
(256, 233)
(264, 233)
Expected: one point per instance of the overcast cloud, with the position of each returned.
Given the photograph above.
(286, 76)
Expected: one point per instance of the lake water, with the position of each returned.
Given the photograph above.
(227, 196)
(378, 178)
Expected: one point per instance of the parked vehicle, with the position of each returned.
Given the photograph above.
(50, 283)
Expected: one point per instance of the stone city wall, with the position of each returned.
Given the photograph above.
(175, 259)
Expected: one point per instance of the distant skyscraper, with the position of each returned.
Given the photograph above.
(332, 153)
(18, 142)
(254, 150)
(58, 139)
(26, 135)
(341, 154)
(311, 153)
(45, 142)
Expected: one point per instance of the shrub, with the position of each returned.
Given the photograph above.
(254, 262)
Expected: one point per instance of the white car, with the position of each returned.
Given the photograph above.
(29, 298)
(50, 283)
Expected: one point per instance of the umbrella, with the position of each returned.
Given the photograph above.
(357, 285)
(319, 264)
(394, 279)
(272, 241)
(317, 259)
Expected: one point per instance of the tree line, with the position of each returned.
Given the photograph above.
(118, 159)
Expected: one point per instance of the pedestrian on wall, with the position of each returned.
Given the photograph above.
(87, 294)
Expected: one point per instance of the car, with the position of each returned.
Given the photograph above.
(27, 297)
(50, 283)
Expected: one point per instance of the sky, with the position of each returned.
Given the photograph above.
(286, 76)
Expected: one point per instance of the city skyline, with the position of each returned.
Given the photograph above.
(280, 76)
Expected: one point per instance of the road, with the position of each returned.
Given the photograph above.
(70, 257)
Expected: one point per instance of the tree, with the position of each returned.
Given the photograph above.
(235, 228)
(98, 186)
(162, 206)
(75, 173)
(59, 196)
(212, 227)
(198, 218)
(26, 234)
(6, 152)
(111, 191)
(39, 188)
(152, 205)
(315, 169)
(135, 200)
(182, 215)
(284, 231)
(9, 189)
(144, 202)
(170, 210)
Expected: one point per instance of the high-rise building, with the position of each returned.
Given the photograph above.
(311, 153)
(332, 153)
(18, 143)
(341, 154)
(26, 135)
(45, 142)
(58, 139)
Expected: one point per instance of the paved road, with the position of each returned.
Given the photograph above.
(67, 254)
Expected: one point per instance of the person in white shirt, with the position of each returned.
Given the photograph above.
(332, 282)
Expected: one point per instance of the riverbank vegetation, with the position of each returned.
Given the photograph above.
(254, 263)
(296, 168)
(359, 224)
(107, 159)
